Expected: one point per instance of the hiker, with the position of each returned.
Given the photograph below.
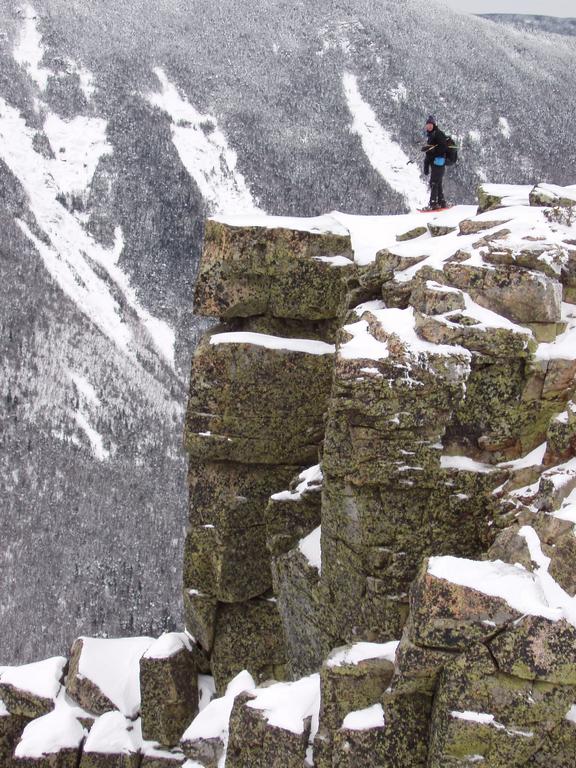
(436, 149)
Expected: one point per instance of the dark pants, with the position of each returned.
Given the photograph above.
(436, 191)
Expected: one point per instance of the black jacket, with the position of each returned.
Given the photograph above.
(436, 146)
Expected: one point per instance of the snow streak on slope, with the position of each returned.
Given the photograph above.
(29, 51)
(70, 251)
(385, 156)
(78, 145)
(205, 153)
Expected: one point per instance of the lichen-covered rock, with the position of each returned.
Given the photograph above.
(104, 674)
(417, 667)
(472, 226)
(520, 295)
(438, 229)
(459, 328)
(270, 727)
(227, 551)
(479, 710)
(11, 728)
(30, 690)
(246, 401)
(412, 234)
(64, 758)
(432, 298)
(248, 636)
(557, 749)
(538, 649)
(230, 565)
(294, 513)
(449, 616)
(405, 737)
(200, 617)
(283, 273)
(359, 748)
(301, 608)
(352, 678)
(160, 758)
(205, 738)
(552, 195)
(168, 689)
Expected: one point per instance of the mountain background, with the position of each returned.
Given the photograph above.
(122, 126)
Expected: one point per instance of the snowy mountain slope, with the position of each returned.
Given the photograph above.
(121, 127)
(546, 24)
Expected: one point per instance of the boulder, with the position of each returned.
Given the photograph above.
(248, 636)
(270, 727)
(472, 226)
(479, 710)
(11, 728)
(520, 295)
(246, 401)
(200, 617)
(449, 616)
(412, 234)
(104, 674)
(547, 195)
(30, 690)
(301, 609)
(247, 271)
(168, 689)
(538, 649)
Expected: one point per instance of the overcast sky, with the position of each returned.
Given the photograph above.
(544, 7)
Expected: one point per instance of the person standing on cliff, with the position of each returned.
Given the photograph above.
(435, 149)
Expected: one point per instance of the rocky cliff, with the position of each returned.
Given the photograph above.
(378, 568)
